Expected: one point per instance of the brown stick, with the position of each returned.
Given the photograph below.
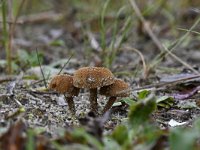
(41, 17)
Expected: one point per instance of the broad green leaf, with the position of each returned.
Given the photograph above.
(120, 134)
(140, 111)
(27, 59)
(164, 98)
(83, 137)
(181, 139)
(128, 101)
(187, 105)
(165, 101)
(110, 143)
(143, 94)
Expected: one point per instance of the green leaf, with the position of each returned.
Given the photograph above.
(185, 138)
(23, 55)
(57, 43)
(81, 136)
(120, 134)
(27, 59)
(164, 98)
(187, 105)
(143, 94)
(128, 101)
(110, 143)
(165, 101)
(140, 111)
(181, 139)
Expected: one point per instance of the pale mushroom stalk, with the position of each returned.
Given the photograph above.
(93, 100)
(109, 104)
(70, 103)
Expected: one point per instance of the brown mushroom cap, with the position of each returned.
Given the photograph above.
(63, 84)
(92, 77)
(117, 89)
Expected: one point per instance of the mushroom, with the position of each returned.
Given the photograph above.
(64, 84)
(93, 78)
(118, 89)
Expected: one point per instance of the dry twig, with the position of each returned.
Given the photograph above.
(41, 17)
(145, 69)
(161, 84)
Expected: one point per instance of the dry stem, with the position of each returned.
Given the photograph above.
(155, 39)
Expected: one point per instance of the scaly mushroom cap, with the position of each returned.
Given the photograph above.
(63, 84)
(118, 89)
(92, 77)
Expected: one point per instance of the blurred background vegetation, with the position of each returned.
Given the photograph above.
(94, 29)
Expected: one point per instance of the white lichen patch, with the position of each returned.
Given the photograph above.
(90, 80)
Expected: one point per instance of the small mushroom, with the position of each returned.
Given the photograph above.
(64, 84)
(118, 89)
(93, 78)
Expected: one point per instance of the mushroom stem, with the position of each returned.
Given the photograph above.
(71, 104)
(93, 100)
(109, 104)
